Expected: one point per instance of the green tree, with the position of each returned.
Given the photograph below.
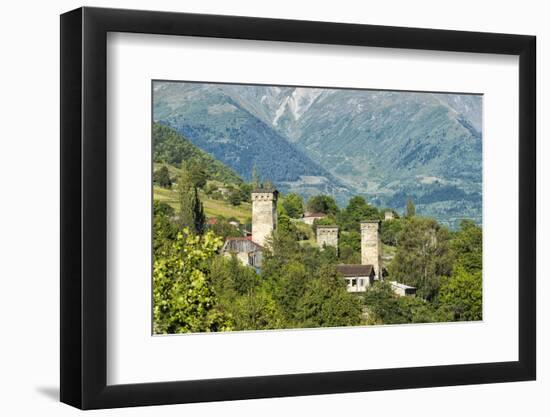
(256, 311)
(385, 307)
(390, 231)
(422, 256)
(245, 192)
(164, 231)
(223, 229)
(231, 278)
(285, 225)
(241, 295)
(326, 302)
(191, 213)
(289, 288)
(467, 246)
(349, 246)
(294, 205)
(195, 172)
(183, 298)
(162, 177)
(411, 209)
(322, 204)
(356, 211)
(461, 294)
(234, 197)
(281, 247)
(256, 181)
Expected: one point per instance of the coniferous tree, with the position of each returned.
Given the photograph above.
(411, 209)
(191, 214)
(255, 178)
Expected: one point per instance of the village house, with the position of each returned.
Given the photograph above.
(358, 277)
(223, 191)
(309, 218)
(402, 289)
(246, 251)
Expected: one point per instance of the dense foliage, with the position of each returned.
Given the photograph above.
(197, 289)
(293, 205)
(422, 256)
(356, 211)
(322, 204)
(183, 298)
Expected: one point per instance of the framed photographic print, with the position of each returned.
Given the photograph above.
(256, 208)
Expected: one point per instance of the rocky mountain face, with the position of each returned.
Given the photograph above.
(386, 145)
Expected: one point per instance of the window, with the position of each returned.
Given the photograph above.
(353, 282)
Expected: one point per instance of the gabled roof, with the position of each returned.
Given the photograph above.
(240, 244)
(355, 270)
(317, 214)
(402, 286)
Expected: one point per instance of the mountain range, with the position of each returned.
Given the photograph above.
(385, 145)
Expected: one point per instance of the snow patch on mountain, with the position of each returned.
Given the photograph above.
(297, 103)
(280, 111)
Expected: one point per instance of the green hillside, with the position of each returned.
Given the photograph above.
(172, 148)
(212, 207)
(212, 120)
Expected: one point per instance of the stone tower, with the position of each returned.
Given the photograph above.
(264, 214)
(327, 235)
(371, 246)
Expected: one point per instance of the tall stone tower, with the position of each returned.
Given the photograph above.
(264, 214)
(327, 235)
(371, 246)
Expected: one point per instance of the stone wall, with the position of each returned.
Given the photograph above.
(264, 216)
(371, 246)
(327, 235)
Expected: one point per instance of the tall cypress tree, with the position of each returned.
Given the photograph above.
(191, 214)
(255, 178)
(411, 209)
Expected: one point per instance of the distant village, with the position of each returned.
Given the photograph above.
(250, 247)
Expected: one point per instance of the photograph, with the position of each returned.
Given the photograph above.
(296, 207)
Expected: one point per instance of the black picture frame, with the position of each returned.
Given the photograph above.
(84, 207)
